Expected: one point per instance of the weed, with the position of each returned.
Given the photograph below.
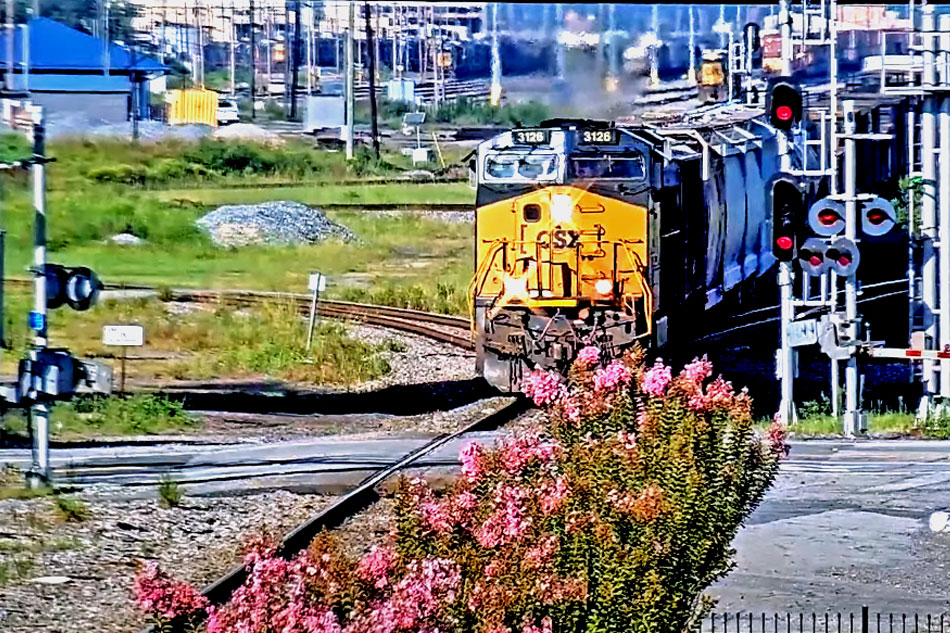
(14, 568)
(169, 492)
(165, 294)
(71, 509)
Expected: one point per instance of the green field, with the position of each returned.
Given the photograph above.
(156, 191)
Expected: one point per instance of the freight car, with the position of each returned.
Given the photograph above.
(592, 233)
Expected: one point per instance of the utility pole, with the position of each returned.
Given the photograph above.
(295, 61)
(370, 50)
(350, 78)
(786, 273)
(691, 73)
(495, 99)
(39, 474)
(250, 22)
(11, 25)
(943, 294)
(559, 47)
(852, 412)
(928, 215)
(135, 93)
(233, 38)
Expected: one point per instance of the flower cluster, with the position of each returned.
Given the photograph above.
(165, 598)
(637, 471)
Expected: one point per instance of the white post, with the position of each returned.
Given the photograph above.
(943, 234)
(350, 79)
(928, 215)
(852, 412)
(233, 37)
(559, 47)
(39, 474)
(654, 66)
(730, 63)
(495, 58)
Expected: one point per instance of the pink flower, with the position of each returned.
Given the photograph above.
(552, 494)
(519, 450)
(161, 596)
(698, 370)
(543, 387)
(656, 379)
(471, 458)
(509, 521)
(719, 394)
(543, 553)
(571, 409)
(544, 628)
(435, 517)
(588, 357)
(777, 437)
(613, 376)
(376, 565)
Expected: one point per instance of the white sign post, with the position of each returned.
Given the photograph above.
(124, 336)
(318, 283)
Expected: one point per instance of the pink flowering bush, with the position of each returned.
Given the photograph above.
(615, 515)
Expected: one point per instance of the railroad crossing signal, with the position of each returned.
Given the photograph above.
(826, 218)
(812, 258)
(788, 205)
(877, 217)
(784, 103)
(843, 257)
(76, 287)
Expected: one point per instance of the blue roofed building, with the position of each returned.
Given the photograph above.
(71, 72)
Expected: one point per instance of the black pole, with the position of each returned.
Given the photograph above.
(135, 94)
(370, 51)
(253, 60)
(296, 62)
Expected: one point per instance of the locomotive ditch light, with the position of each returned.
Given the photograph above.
(783, 101)
(877, 217)
(812, 257)
(843, 257)
(826, 218)
(604, 287)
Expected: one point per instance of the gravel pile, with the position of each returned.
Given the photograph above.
(68, 125)
(271, 223)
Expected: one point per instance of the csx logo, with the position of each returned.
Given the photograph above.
(560, 238)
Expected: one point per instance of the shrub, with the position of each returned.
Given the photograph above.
(169, 492)
(614, 516)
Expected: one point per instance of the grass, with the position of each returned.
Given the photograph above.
(70, 509)
(169, 492)
(823, 425)
(386, 193)
(218, 342)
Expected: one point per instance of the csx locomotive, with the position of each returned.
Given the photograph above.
(589, 232)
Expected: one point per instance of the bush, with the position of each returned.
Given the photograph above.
(614, 516)
(169, 492)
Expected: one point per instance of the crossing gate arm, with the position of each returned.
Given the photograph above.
(905, 354)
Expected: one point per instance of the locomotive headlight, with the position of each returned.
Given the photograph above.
(562, 207)
(603, 286)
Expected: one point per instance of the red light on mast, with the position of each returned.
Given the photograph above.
(783, 113)
(785, 243)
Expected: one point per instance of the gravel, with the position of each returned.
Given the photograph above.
(98, 557)
(247, 132)
(271, 223)
(67, 125)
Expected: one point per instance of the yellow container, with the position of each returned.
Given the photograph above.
(195, 106)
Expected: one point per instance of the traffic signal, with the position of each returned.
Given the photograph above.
(812, 258)
(843, 257)
(77, 287)
(783, 101)
(826, 217)
(877, 217)
(788, 205)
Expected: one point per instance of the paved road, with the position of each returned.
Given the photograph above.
(845, 524)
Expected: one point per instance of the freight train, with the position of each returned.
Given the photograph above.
(588, 232)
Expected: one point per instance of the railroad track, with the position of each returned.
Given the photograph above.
(453, 330)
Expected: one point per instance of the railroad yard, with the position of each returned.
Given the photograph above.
(589, 334)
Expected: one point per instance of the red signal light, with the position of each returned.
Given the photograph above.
(828, 218)
(877, 218)
(785, 243)
(814, 260)
(844, 260)
(783, 113)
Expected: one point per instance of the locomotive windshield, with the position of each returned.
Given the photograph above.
(521, 166)
(605, 166)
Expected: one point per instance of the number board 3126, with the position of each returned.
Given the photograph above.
(600, 137)
(532, 137)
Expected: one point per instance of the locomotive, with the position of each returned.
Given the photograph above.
(597, 233)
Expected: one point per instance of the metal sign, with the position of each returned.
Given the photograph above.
(318, 282)
(37, 321)
(801, 333)
(413, 118)
(123, 335)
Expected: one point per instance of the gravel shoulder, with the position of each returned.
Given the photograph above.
(96, 559)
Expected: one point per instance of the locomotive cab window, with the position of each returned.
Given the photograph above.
(532, 212)
(521, 167)
(606, 166)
